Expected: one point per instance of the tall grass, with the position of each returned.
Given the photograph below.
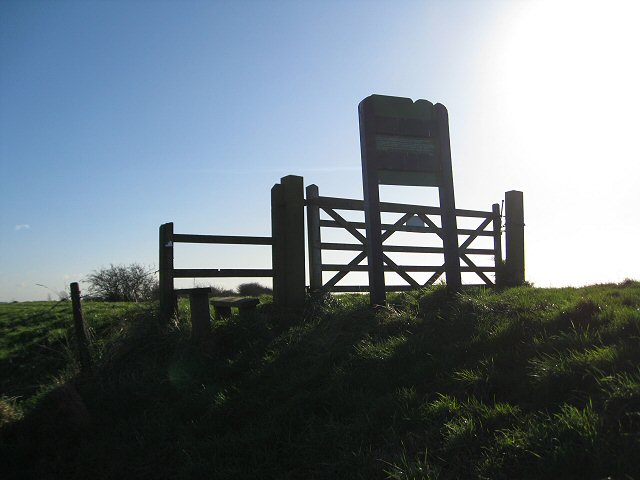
(524, 383)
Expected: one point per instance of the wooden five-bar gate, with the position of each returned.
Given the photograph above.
(490, 226)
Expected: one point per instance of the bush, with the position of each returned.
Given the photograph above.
(123, 283)
(253, 289)
(221, 291)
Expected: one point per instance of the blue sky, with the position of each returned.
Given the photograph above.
(116, 117)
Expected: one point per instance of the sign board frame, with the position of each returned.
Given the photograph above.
(403, 142)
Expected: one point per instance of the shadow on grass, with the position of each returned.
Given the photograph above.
(525, 383)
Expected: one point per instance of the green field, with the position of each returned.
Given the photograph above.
(525, 383)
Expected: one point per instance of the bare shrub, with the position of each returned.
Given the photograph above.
(123, 283)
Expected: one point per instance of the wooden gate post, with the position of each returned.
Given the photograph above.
(497, 244)
(287, 233)
(278, 246)
(168, 299)
(293, 196)
(80, 327)
(448, 203)
(514, 221)
(313, 236)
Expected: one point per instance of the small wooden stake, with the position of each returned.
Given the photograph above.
(82, 341)
(200, 315)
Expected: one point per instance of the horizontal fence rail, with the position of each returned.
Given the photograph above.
(404, 228)
(221, 239)
(389, 288)
(352, 204)
(221, 272)
(401, 248)
(330, 267)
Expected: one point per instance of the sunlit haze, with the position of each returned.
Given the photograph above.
(116, 117)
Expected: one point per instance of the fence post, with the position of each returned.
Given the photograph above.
(82, 343)
(448, 217)
(200, 315)
(168, 299)
(514, 221)
(293, 196)
(278, 248)
(313, 232)
(287, 233)
(497, 244)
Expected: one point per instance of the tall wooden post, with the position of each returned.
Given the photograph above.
(80, 328)
(448, 203)
(372, 220)
(313, 238)
(370, 186)
(293, 195)
(278, 246)
(497, 243)
(287, 231)
(168, 299)
(514, 220)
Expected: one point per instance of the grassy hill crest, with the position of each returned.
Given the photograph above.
(523, 383)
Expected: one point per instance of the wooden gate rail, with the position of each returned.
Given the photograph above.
(221, 272)
(332, 267)
(225, 239)
(329, 205)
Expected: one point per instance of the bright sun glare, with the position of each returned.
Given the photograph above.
(564, 64)
(565, 79)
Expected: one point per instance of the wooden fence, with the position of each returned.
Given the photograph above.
(168, 273)
(286, 241)
(288, 250)
(489, 226)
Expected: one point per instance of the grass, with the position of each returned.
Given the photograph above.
(524, 383)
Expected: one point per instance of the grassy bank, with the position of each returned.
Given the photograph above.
(525, 383)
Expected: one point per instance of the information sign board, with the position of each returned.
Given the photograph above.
(404, 142)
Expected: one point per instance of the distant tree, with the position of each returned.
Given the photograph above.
(253, 289)
(123, 283)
